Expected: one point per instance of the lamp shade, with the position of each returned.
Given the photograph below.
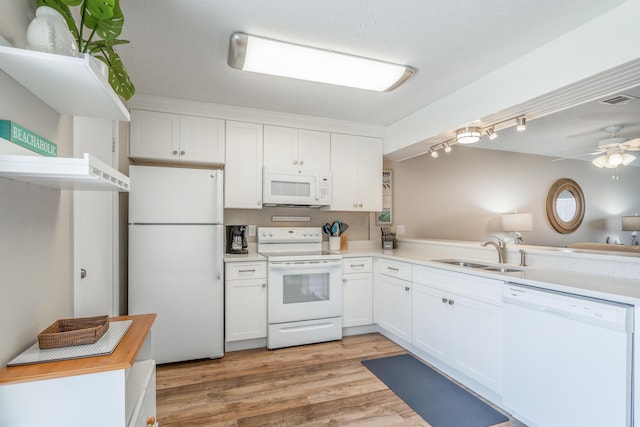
(631, 223)
(517, 222)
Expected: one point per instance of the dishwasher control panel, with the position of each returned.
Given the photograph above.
(604, 313)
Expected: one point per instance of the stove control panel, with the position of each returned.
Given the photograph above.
(289, 234)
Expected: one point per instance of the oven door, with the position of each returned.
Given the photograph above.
(304, 290)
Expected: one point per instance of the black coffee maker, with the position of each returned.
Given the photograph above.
(236, 240)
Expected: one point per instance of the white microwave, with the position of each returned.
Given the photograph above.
(296, 187)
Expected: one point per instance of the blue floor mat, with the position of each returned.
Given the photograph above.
(436, 399)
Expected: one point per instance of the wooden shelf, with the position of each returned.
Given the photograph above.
(88, 173)
(123, 357)
(69, 85)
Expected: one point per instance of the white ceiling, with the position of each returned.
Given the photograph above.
(179, 48)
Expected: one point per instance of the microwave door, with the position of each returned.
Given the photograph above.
(288, 189)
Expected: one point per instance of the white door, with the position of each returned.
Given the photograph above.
(243, 167)
(175, 271)
(94, 227)
(175, 195)
(394, 309)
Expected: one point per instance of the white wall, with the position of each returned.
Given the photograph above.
(461, 195)
(35, 221)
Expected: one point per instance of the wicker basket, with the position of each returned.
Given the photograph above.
(69, 332)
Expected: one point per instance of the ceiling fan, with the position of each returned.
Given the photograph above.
(613, 150)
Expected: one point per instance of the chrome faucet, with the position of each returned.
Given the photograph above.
(501, 247)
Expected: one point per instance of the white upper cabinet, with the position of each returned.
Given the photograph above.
(243, 168)
(356, 168)
(289, 147)
(176, 138)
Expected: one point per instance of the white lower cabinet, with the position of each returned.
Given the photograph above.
(140, 402)
(357, 292)
(245, 300)
(103, 391)
(394, 298)
(457, 318)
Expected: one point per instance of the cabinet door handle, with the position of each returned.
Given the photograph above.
(174, 152)
(252, 270)
(301, 162)
(182, 153)
(444, 300)
(264, 285)
(393, 269)
(451, 302)
(360, 205)
(357, 265)
(344, 280)
(406, 288)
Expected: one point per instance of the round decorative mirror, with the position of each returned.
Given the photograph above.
(565, 206)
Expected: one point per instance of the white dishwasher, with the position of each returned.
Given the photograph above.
(567, 359)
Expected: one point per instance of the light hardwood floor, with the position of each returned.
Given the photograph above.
(316, 385)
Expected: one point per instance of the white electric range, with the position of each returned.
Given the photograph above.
(304, 298)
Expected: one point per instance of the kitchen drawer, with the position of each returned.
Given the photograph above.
(401, 270)
(356, 265)
(469, 285)
(245, 270)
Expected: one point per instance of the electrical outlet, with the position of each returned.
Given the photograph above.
(399, 229)
(252, 230)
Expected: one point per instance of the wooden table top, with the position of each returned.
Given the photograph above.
(122, 357)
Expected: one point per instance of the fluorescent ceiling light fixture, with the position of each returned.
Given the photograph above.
(266, 56)
(521, 124)
(468, 135)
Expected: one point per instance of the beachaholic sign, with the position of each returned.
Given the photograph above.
(13, 132)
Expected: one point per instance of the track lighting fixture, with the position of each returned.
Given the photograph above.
(433, 153)
(521, 124)
(491, 133)
(468, 135)
(446, 147)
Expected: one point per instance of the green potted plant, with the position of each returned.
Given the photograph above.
(102, 20)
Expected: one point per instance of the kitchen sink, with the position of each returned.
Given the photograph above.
(461, 263)
(479, 266)
(503, 269)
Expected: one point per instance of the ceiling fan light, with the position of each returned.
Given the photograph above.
(266, 56)
(615, 159)
(627, 158)
(468, 135)
(600, 161)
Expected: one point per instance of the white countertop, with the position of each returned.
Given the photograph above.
(619, 289)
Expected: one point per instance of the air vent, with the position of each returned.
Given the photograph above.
(619, 99)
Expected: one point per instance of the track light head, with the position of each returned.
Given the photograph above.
(446, 147)
(433, 153)
(491, 133)
(521, 124)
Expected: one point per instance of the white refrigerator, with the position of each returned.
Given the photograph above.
(175, 259)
